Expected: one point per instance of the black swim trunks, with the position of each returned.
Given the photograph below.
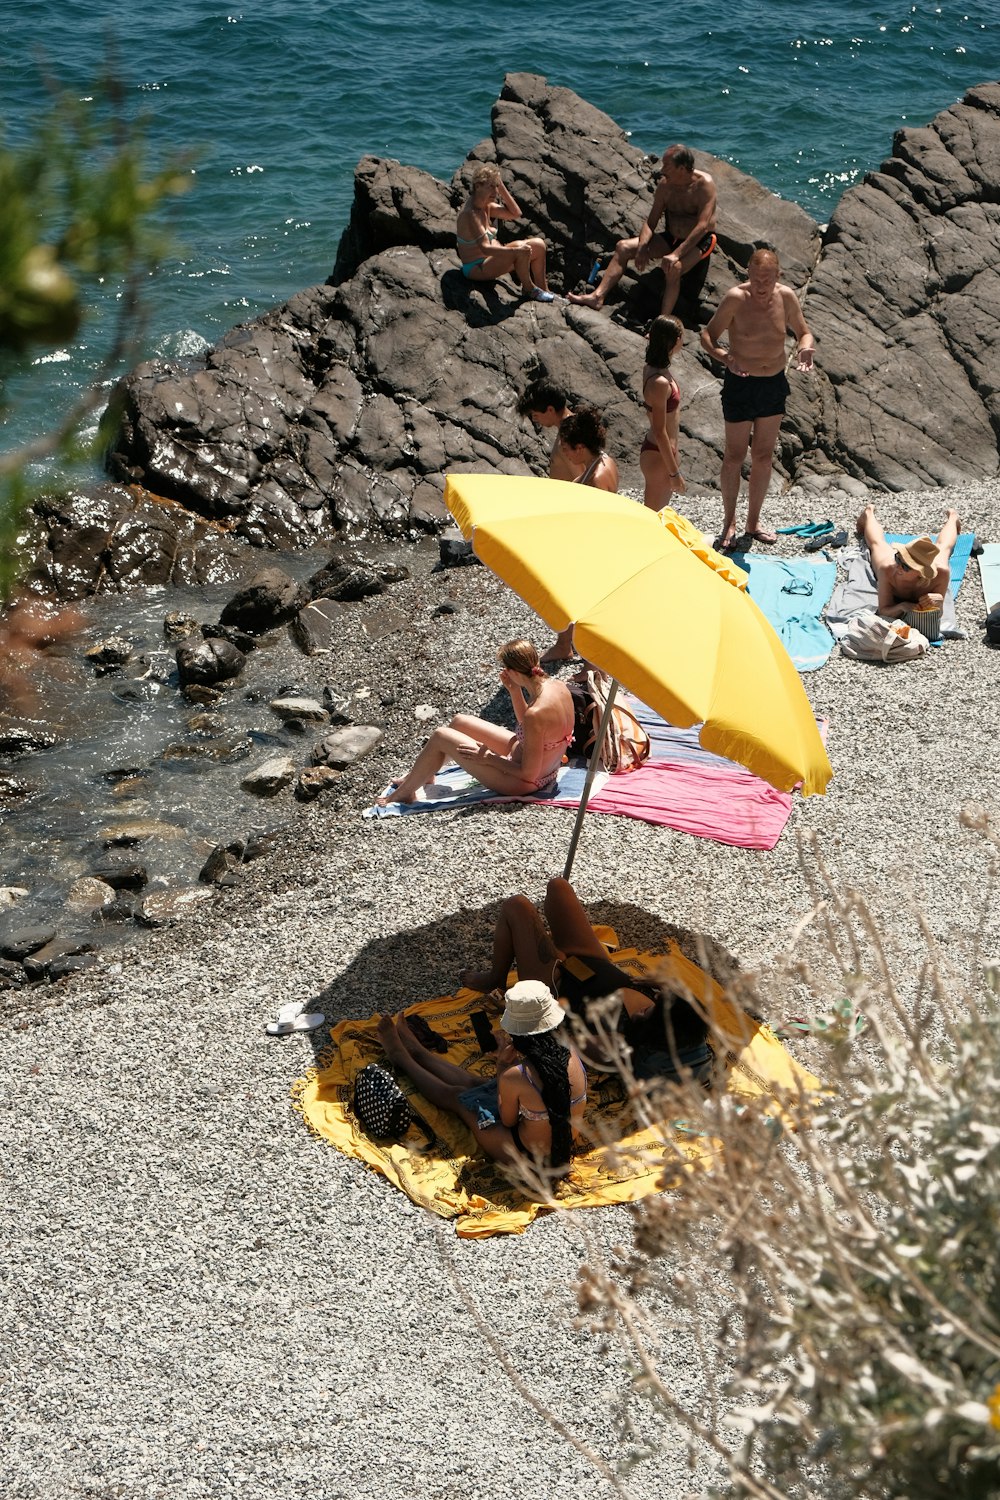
(747, 397)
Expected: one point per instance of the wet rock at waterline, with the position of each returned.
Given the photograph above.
(270, 777)
(315, 628)
(270, 599)
(207, 663)
(299, 708)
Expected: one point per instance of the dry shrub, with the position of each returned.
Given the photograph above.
(841, 1278)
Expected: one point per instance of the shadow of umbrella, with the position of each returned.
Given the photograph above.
(394, 972)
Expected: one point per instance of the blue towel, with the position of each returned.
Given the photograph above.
(792, 593)
(959, 557)
(989, 573)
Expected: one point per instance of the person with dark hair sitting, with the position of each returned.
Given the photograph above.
(684, 202)
(666, 1035)
(534, 1105)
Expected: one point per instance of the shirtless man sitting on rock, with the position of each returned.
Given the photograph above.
(757, 315)
(685, 201)
(546, 404)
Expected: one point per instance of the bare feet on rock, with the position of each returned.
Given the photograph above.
(586, 299)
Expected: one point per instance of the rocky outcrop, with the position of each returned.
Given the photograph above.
(113, 538)
(346, 407)
(903, 301)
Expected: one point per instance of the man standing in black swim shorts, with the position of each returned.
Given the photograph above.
(685, 201)
(757, 316)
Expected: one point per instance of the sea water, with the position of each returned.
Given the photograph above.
(279, 100)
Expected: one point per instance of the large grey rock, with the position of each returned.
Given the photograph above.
(902, 301)
(345, 746)
(346, 407)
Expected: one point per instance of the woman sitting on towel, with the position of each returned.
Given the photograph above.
(533, 1106)
(911, 575)
(515, 764)
(667, 1036)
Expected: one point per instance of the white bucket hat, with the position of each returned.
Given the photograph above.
(531, 1009)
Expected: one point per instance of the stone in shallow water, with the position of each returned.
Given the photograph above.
(209, 662)
(89, 894)
(271, 777)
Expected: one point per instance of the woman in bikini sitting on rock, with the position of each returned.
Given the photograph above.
(582, 436)
(658, 457)
(533, 1107)
(513, 764)
(482, 257)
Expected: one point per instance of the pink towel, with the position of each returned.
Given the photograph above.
(729, 805)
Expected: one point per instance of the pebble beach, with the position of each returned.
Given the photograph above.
(201, 1299)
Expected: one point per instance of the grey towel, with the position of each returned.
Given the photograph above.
(859, 591)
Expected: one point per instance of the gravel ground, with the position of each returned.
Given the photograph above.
(203, 1300)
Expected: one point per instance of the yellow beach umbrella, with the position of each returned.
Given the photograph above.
(647, 609)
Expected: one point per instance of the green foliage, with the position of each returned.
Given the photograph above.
(79, 205)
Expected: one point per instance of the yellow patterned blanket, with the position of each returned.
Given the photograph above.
(456, 1181)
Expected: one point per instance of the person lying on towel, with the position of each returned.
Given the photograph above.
(667, 1037)
(533, 1107)
(913, 574)
(515, 765)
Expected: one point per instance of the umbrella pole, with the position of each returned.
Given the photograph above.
(591, 773)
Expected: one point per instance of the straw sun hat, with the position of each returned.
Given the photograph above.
(531, 1008)
(920, 555)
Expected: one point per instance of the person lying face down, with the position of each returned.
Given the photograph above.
(533, 1108)
(667, 1037)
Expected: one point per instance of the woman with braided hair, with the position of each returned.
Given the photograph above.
(512, 764)
(534, 1104)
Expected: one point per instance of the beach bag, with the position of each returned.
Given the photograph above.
(870, 638)
(381, 1108)
(626, 744)
(993, 626)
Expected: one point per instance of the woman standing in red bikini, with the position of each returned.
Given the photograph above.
(512, 764)
(658, 457)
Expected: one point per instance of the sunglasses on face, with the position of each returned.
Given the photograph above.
(904, 565)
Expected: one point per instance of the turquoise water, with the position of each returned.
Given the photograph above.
(280, 100)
